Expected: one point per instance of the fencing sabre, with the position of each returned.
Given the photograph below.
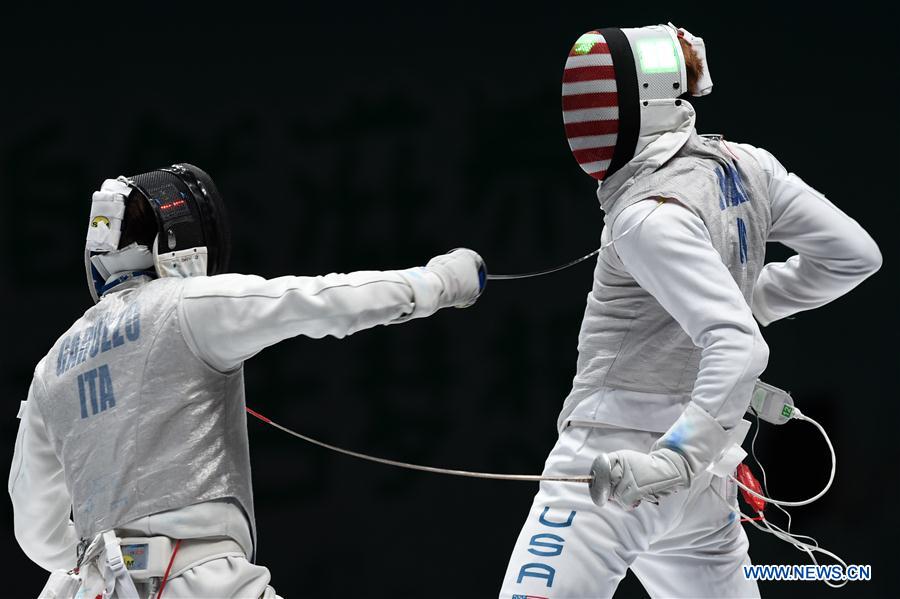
(432, 469)
(540, 273)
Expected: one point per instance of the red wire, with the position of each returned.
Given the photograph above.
(168, 569)
(258, 415)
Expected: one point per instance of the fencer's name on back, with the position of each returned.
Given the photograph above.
(108, 333)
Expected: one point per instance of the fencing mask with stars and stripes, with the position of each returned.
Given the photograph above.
(621, 89)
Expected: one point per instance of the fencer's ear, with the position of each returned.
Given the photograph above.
(692, 63)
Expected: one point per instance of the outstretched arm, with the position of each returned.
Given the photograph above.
(37, 488)
(834, 253)
(229, 318)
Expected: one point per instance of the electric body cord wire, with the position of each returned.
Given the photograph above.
(798, 415)
(790, 538)
(793, 539)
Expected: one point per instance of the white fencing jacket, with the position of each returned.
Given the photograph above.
(228, 319)
(669, 254)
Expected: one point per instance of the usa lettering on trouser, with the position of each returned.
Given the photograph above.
(545, 544)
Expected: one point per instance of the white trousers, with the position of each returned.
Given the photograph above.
(231, 577)
(689, 545)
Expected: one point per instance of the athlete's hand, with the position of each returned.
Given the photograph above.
(463, 275)
(687, 449)
(629, 477)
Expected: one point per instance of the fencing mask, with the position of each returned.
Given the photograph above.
(622, 89)
(192, 231)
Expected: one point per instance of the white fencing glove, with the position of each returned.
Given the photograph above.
(628, 477)
(455, 279)
(463, 274)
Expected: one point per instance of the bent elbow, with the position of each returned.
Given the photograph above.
(757, 356)
(52, 548)
(863, 257)
(26, 543)
(870, 258)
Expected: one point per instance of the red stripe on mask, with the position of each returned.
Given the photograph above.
(572, 75)
(598, 100)
(594, 154)
(592, 128)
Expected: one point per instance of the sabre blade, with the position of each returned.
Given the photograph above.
(419, 467)
(539, 273)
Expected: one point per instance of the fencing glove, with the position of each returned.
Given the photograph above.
(628, 477)
(455, 279)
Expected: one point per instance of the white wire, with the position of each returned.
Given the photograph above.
(790, 538)
(800, 416)
(785, 535)
(805, 547)
(765, 482)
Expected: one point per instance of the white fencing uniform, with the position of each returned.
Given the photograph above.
(688, 545)
(212, 323)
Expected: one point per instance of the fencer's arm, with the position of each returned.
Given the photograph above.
(229, 318)
(671, 256)
(834, 253)
(37, 488)
(232, 317)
